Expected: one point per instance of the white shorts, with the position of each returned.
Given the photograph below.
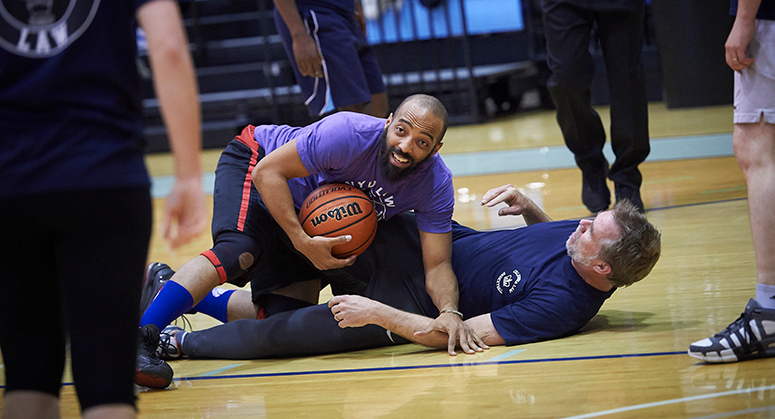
(755, 87)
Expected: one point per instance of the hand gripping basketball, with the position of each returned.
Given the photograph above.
(338, 209)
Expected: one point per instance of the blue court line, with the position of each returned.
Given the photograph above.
(532, 159)
(506, 355)
(420, 367)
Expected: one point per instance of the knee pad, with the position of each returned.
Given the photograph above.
(233, 255)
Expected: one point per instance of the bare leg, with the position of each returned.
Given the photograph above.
(241, 302)
(241, 306)
(198, 276)
(748, 337)
(110, 411)
(754, 146)
(30, 404)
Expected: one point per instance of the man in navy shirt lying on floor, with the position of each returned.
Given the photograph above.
(539, 282)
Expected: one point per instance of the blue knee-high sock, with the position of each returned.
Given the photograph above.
(173, 300)
(216, 304)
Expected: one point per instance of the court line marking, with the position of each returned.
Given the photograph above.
(220, 370)
(460, 364)
(506, 355)
(534, 159)
(737, 412)
(733, 189)
(420, 367)
(670, 401)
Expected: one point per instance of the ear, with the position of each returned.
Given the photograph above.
(601, 268)
(437, 148)
(389, 120)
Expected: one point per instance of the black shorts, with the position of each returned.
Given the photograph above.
(242, 224)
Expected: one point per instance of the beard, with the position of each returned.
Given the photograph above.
(574, 254)
(390, 172)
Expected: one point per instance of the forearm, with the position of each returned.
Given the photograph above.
(535, 215)
(176, 89)
(746, 9)
(406, 324)
(271, 184)
(441, 285)
(291, 17)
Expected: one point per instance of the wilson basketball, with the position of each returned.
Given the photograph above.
(337, 209)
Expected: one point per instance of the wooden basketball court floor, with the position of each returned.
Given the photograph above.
(629, 362)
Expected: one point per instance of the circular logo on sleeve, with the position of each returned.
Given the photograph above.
(43, 28)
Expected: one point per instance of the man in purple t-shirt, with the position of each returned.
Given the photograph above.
(257, 235)
(523, 285)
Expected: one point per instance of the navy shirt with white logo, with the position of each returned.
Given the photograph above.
(524, 277)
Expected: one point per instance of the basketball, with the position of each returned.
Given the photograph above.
(337, 209)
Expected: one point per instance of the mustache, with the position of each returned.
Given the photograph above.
(401, 154)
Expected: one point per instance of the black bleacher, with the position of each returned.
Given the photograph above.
(243, 72)
(245, 78)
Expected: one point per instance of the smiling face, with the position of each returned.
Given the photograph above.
(585, 243)
(410, 138)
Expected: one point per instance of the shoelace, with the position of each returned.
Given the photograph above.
(745, 318)
(148, 344)
(187, 326)
(164, 345)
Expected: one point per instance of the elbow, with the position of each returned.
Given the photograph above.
(256, 177)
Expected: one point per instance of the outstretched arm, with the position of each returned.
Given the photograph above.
(518, 204)
(357, 311)
(176, 88)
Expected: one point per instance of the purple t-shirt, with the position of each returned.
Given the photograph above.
(344, 148)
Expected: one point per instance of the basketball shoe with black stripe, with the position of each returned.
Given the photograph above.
(150, 371)
(751, 336)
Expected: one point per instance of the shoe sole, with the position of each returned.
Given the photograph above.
(150, 380)
(715, 358)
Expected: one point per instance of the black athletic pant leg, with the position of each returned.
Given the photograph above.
(72, 264)
(303, 332)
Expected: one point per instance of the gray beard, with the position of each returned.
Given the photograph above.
(575, 256)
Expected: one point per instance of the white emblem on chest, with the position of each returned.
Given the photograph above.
(508, 281)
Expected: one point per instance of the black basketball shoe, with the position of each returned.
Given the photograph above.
(156, 275)
(751, 336)
(150, 371)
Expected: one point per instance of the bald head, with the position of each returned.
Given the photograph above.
(431, 104)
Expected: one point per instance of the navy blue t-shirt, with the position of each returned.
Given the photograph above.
(70, 115)
(766, 9)
(525, 279)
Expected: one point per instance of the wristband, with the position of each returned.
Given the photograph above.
(448, 310)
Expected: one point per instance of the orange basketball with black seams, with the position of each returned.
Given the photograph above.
(338, 209)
